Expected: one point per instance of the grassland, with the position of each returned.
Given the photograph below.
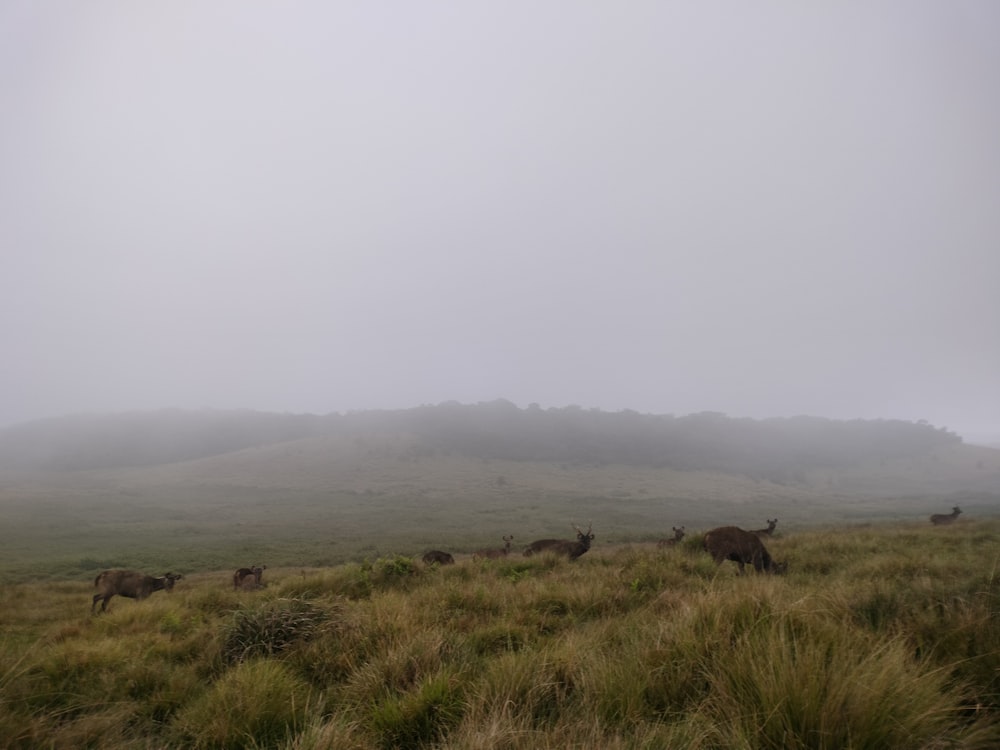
(883, 635)
(327, 501)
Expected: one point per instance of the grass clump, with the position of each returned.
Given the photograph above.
(257, 703)
(271, 628)
(419, 716)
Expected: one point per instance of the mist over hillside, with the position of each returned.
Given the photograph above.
(774, 449)
(139, 489)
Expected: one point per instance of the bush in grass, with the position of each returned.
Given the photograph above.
(255, 704)
(421, 715)
(393, 572)
(271, 628)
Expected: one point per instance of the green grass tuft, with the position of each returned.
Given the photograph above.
(272, 627)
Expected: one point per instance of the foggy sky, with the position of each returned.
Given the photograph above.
(763, 209)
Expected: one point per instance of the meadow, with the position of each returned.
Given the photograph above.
(324, 502)
(881, 635)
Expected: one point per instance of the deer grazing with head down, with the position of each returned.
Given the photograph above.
(566, 547)
(493, 554)
(942, 519)
(249, 577)
(678, 535)
(742, 547)
(437, 556)
(771, 523)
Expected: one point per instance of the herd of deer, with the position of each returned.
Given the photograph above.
(724, 543)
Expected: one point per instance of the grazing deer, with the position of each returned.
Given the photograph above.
(769, 530)
(678, 535)
(942, 519)
(566, 547)
(130, 584)
(248, 577)
(439, 557)
(742, 547)
(493, 554)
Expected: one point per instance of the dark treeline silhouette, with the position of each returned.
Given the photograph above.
(773, 449)
(705, 441)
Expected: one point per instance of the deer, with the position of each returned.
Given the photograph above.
(566, 547)
(439, 557)
(493, 554)
(130, 584)
(742, 547)
(771, 523)
(943, 519)
(678, 535)
(248, 577)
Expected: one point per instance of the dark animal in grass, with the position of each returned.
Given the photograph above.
(248, 577)
(439, 557)
(942, 519)
(130, 584)
(742, 547)
(769, 530)
(678, 535)
(566, 547)
(493, 554)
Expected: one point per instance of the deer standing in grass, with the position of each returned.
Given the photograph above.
(943, 519)
(493, 554)
(678, 535)
(249, 577)
(566, 547)
(742, 547)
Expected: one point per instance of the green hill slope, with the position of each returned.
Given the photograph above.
(380, 483)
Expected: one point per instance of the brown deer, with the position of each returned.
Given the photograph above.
(678, 535)
(130, 584)
(439, 557)
(248, 577)
(742, 547)
(566, 547)
(943, 519)
(769, 530)
(493, 554)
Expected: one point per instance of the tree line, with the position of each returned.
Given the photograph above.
(708, 441)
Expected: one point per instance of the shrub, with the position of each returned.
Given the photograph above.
(271, 628)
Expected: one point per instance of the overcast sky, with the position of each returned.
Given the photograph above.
(764, 209)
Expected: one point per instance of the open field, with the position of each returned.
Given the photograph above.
(330, 500)
(194, 491)
(882, 635)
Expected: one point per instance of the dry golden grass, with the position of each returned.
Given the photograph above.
(882, 636)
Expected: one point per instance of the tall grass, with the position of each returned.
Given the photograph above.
(878, 637)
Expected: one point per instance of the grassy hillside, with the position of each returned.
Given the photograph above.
(330, 499)
(778, 450)
(880, 636)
